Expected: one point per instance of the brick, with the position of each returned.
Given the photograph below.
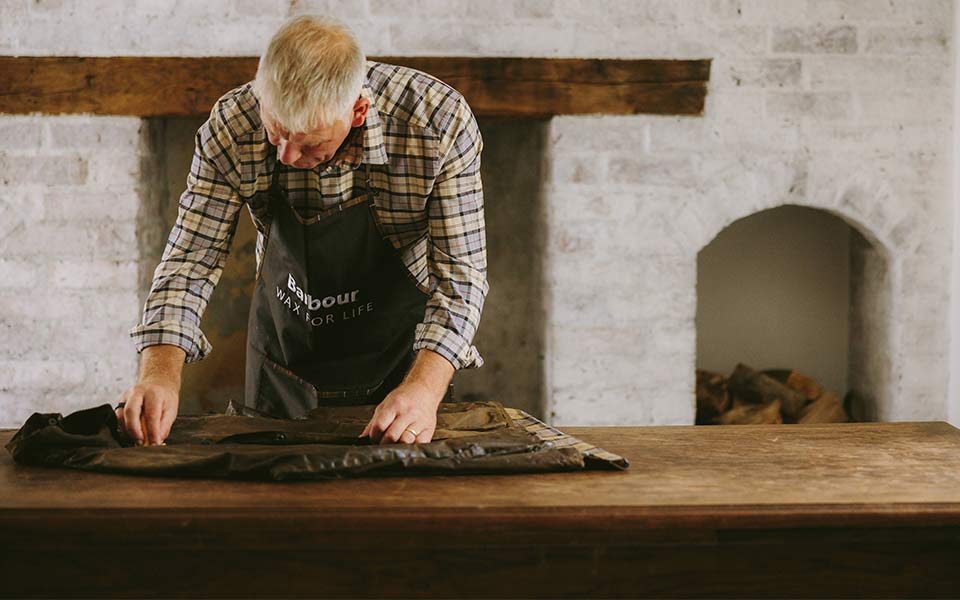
(776, 11)
(115, 275)
(113, 239)
(107, 335)
(763, 73)
(153, 8)
(570, 204)
(445, 9)
(43, 170)
(122, 305)
(733, 123)
(817, 39)
(534, 39)
(110, 136)
(41, 374)
(43, 7)
(724, 9)
(434, 41)
(394, 8)
(908, 40)
(262, 9)
(677, 171)
(21, 273)
(356, 14)
(850, 10)
(30, 337)
(864, 73)
(923, 11)
(600, 133)
(20, 135)
(761, 11)
(111, 375)
(498, 10)
(186, 13)
(18, 210)
(243, 38)
(848, 140)
(71, 204)
(113, 169)
(582, 168)
(11, 10)
(711, 40)
(534, 9)
(807, 105)
(905, 107)
(37, 304)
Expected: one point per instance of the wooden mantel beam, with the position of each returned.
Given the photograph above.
(513, 87)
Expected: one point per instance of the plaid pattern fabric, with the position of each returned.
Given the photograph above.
(560, 439)
(423, 147)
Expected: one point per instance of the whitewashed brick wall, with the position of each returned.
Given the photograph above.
(69, 200)
(843, 105)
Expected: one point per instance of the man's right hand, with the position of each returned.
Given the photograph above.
(155, 398)
(157, 402)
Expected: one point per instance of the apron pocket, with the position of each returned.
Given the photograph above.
(282, 393)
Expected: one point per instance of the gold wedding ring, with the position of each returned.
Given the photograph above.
(413, 431)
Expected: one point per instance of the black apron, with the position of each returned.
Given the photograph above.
(334, 309)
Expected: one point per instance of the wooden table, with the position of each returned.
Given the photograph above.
(867, 509)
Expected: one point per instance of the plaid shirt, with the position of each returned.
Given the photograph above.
(423, 146)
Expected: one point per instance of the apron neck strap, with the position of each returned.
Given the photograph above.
(274, 179)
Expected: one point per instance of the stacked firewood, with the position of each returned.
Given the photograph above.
(753, 397)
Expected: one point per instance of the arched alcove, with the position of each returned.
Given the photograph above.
(798, 288)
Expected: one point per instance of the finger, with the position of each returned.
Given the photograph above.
(424, 437)
(166, 423)
(131, 415)
(395, 431)
(119, 409)
(407, 437)
(152, 409)
(380, 423)
(366, 429)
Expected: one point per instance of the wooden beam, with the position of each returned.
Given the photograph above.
(514, 87)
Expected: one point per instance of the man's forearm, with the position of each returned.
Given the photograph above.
(162, 363)
(431, 371)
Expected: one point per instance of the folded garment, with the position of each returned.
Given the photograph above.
(470, 437)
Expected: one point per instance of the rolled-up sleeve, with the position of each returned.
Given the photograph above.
(197, 246)
(457, 253)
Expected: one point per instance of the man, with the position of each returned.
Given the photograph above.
(363, 180)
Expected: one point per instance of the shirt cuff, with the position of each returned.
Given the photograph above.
(448, 344)
(175, 333)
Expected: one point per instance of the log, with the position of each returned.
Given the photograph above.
(807, 386)
(712, 397)
(753, 414)
(756, 388)
(828, 408)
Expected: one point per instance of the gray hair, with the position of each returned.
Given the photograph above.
(311, 73)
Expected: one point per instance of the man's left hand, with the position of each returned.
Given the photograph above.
(408, 414)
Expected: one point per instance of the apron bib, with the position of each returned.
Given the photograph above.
(333, 312)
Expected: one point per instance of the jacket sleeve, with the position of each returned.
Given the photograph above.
(456, 253)
(197, 246)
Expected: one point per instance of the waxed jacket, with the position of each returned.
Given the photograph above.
(471, 437)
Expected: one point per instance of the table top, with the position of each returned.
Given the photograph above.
(851, 474)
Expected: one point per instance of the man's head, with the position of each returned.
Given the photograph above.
(309, 82)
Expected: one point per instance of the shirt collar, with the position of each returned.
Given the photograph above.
(365, 145)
